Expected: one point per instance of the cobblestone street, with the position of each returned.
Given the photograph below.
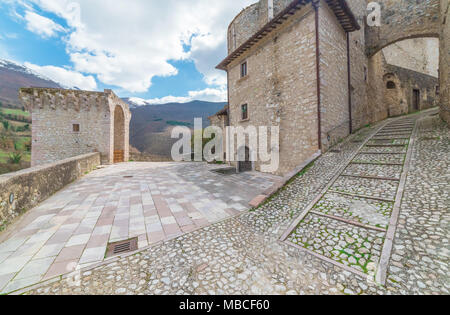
(353, 216)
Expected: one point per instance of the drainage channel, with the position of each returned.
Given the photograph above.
(352, 222)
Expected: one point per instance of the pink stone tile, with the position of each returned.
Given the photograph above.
(184, 221)
(171, 229)
(59, 237)
(257, 201)
(135, 200)
(70, 253)
(189, 207)
(61, 268)
(201, 222)
(98, 241)
(162, 207)
(155, 237)
(105, 221)
(188, 228)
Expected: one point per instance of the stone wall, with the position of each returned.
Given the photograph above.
(250, 20)
(359, 67)
(333, 78)
(68, 123)
(445, 60)
(402, 20)
(375, 87)
(408, 81)
(418, 54)
(280, 88)
(23, 190)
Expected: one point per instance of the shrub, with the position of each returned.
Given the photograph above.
(15, 158)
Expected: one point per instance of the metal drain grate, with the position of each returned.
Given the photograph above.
(122, 247)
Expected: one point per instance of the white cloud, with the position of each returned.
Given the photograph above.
(209, 95)
(41, 25)
(129, 42)
(65, 77)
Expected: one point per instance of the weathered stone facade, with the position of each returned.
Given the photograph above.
(280, 61)
(445, 60)
(280, 88)
(400, 97)
(68, 123)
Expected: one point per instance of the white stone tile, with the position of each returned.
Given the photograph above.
(78, 240)
(36, 267)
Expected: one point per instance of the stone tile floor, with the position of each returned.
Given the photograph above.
(244, 255)
(151, 201)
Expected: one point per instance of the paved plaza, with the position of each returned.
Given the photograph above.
(151, 201)
(370, 211)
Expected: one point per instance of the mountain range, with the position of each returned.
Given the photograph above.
(151, 125)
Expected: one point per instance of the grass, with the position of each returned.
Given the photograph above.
(4, 156)
(17, 112)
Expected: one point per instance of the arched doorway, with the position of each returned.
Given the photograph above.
(119, 135)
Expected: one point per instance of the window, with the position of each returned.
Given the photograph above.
(437, 90)
(244, 69)
(244, 112)
(390, 85)
(76, 127)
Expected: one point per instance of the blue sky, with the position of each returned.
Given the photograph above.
(153, 50)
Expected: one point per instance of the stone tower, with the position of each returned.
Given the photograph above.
(68, 123)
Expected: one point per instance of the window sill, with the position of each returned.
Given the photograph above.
(243, 79)
(244, 120)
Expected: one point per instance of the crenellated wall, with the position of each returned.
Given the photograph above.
(69, 123)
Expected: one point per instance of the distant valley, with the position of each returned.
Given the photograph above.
(151, 125)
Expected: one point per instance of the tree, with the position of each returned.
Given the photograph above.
(5, 125)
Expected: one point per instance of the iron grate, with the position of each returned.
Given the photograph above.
(117, 248)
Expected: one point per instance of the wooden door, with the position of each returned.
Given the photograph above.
(119, 156)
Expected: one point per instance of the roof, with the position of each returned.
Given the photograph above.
(222, 112)
(339, 7)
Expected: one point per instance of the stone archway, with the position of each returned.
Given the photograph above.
(402, 20)
(119, 135)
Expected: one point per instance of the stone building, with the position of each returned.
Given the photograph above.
(407, 91)
(68, 123)
(220, 120)
(315, 69)
(288, 67)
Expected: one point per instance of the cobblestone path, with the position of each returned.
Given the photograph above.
(353, 221)
(244, 254)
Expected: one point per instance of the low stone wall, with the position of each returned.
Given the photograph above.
(23, 190)
(144, 157)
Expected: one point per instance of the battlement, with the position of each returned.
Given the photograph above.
(40, 98)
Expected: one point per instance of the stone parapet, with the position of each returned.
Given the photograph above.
(23, 190)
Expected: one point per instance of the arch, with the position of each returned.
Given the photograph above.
(390, 85)
(400, 20)
(119, 135)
